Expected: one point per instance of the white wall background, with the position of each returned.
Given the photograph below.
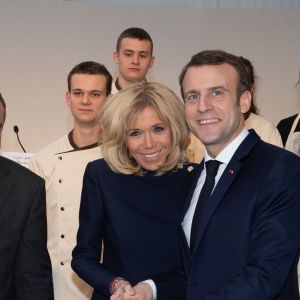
(41, 41)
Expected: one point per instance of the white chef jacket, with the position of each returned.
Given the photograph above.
(62, 166)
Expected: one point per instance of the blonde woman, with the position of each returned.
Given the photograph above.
(133, 198)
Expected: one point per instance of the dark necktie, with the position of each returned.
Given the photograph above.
(211, 172)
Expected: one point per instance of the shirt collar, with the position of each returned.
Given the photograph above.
(75, 147)
(117, 85)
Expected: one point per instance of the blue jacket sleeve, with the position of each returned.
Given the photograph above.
(87, 253)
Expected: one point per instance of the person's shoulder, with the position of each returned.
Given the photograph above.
(100, 171)
(286, 163)
(259, 123)
(60, 145)
(254, 147)
(259, 157)
(287, 121)
(271, 153)
(190, 167)
(258, 118)
(98, 165)
(19, 171)
(285, 125)
(264, 128)
(187, 176)
(42, 162)
(186, 170)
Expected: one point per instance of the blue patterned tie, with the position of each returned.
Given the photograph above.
(212, 167)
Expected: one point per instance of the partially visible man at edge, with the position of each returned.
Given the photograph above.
(2, 115)
(62, 165)
(25, 268)
(134, 57)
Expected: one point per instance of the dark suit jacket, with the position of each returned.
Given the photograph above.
(138, 218)
(248, 242)
(25, 268)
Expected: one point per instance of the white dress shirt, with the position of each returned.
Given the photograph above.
(224, 157)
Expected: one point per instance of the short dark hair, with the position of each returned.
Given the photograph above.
(91, 68)
(219, 57)
(3, 104)
(250, 69)
(134, 33)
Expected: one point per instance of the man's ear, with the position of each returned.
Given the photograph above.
(152, 61)
(116, 57)
(245, 101)
(68, 99)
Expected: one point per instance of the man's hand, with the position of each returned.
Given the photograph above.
(143, 291)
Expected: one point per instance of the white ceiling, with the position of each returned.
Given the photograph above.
(246, 4)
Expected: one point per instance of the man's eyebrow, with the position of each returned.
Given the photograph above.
(91, 91)
(192, 92)
(218, 87)
(97, 91)
(132, 51)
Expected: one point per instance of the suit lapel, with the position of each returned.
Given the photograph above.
(185, 249)
(223, 185)
(192, 189)
(225, 182)
(7, 182)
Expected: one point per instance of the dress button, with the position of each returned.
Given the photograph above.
(60, 180)
(60, 158)
(62, 263)
(62, 208)
(62, 236)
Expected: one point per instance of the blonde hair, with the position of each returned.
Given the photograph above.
(120, 109)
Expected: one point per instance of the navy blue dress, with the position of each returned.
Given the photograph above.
(138, 218)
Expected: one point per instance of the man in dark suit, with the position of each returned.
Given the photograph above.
(25, 268)
(248, 234)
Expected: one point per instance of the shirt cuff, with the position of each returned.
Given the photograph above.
(153, 287)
